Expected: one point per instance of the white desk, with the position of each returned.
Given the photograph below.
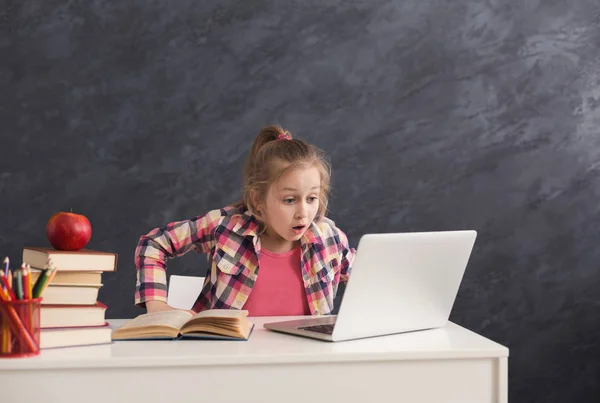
(450, 364)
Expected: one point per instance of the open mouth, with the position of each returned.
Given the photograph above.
(299, 228)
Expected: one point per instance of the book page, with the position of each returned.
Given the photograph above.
(174, 319)
(227, 322)
(222, 313)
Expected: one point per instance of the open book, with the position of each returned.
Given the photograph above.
(224, 324)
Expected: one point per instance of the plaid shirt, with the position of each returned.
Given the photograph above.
(229, 237)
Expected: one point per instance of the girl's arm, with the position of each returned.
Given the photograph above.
(159, 245)
(157, 306)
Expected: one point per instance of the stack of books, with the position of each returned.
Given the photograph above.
(71, 314)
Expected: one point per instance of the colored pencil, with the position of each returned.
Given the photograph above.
(29, 282)
(26, 295)
(6, 266)
(5, 283)
(47, 282)
(10, 284)
(9, 277)
(4, 296)
(4, 337)
(39, 283)
(25, 277)
(19, 283)
(5, 328)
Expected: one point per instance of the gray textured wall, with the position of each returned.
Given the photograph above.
(437, 115)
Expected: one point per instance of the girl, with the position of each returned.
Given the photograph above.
(272, 253)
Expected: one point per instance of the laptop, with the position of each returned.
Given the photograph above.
(399, 282)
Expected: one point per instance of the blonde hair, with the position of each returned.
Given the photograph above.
(272, 147)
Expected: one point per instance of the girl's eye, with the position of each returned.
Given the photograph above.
(312, 199)
(288, 201)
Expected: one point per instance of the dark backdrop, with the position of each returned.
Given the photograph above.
(437, 115)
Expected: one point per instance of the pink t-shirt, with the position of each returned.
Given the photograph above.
(279, 289)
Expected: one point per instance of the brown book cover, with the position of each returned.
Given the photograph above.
(70, 294)
(81, 260)
(71, 277)
(75, 336)
(52, 316)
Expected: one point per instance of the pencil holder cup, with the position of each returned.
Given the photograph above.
(20, 328)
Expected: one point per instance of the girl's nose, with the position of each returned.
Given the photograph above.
(302, 210)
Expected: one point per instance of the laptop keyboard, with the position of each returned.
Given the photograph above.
(326, 329)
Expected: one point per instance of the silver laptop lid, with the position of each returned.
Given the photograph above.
(403, 282)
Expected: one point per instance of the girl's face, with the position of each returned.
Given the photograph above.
(291, 206)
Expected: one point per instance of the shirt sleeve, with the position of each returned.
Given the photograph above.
(175, 239)
(347, 254)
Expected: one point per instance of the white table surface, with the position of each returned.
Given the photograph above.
(266, 347)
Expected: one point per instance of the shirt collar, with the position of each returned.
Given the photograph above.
(313, 235)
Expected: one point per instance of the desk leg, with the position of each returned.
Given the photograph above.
(502, 380)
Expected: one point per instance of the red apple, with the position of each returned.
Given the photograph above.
(68, 231)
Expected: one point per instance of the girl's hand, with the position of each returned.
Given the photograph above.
(158, 306)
